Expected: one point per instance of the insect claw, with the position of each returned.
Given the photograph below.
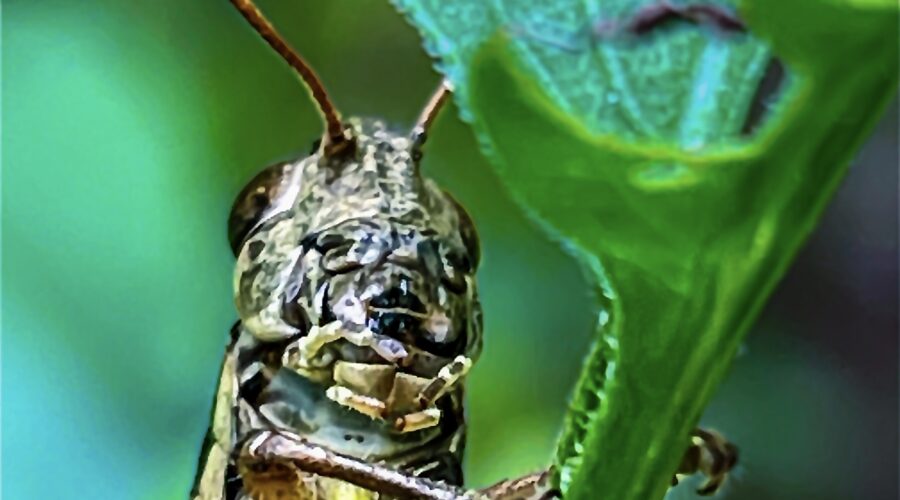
(711, 455)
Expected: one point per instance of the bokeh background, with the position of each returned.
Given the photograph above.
(129, 126)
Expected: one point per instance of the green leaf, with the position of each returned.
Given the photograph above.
(691, 242)
(688, 86)
(684, 233)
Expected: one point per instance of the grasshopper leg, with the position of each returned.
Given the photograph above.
(429, 415)
(287, 450)
(367, 405)
(711, 455)
(449, 375)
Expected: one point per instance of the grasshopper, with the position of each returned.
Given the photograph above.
(359, 321)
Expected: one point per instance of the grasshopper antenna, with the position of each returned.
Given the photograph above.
(336, 140)
(429, 114)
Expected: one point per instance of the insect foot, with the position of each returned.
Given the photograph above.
(711, 455)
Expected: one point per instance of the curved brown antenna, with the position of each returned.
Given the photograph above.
(435, 103)
(265, 29)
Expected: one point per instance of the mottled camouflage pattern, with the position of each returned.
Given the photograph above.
(363, 244)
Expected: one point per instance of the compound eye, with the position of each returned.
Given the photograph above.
(257, 201)
(467, 233)
(456, 266)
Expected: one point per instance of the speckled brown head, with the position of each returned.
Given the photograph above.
(361, 238)
(353, 233)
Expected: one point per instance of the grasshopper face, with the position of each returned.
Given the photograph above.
(366, 242)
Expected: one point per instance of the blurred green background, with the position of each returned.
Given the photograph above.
(129, 126)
